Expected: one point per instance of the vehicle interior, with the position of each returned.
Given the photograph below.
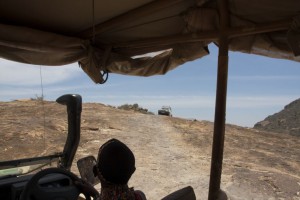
(30, 178)
(137, 38)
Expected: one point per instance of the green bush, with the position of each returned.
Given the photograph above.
(134, 107)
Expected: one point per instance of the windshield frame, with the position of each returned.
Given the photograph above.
(19, 167)
(64, 159)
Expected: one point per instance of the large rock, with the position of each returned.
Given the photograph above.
(285, 121)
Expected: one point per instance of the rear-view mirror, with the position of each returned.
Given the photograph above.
(85, 166)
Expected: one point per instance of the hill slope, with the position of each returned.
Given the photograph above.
(285, 121)
(171, 153)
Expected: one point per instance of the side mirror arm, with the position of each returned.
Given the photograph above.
(74, 108)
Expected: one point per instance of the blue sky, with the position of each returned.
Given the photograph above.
(257, 86)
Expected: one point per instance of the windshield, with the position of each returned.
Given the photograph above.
(166, 108)
(30, 128)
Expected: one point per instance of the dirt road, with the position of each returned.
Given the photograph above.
(164, 161)
(172, 153)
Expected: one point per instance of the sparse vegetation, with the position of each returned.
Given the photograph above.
(135, 107)
(38, 98)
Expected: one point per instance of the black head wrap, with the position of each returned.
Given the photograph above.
(116, 162)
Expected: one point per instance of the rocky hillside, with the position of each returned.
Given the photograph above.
(171, 153)
(285, 121)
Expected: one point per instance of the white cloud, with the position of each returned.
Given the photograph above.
(189, 101)
(259, 101)
(264, 78)
(8, 94)
(241, 110)
(12, 73)
(152, 101)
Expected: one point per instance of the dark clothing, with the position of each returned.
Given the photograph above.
(115, 165)
(116, 162)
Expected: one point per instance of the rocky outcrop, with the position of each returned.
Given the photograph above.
(285, 121)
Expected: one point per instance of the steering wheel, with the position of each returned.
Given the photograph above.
(34, 191)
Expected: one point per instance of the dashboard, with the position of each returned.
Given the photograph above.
(12, 187)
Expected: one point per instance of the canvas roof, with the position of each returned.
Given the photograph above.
(105, 36)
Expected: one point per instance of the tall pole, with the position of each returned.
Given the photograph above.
(220, 107)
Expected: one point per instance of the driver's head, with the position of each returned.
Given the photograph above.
(115, 163)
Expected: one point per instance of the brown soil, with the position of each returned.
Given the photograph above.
(170, 152)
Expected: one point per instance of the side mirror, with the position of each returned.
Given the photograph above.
(85, 166)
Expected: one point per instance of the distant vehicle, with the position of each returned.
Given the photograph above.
(165, 110)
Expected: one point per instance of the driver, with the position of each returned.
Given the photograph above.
(115, 165)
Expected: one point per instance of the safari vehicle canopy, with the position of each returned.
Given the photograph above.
(117, 37)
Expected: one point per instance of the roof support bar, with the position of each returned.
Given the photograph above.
(220, 107)
(131, 15)
(232, 32)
